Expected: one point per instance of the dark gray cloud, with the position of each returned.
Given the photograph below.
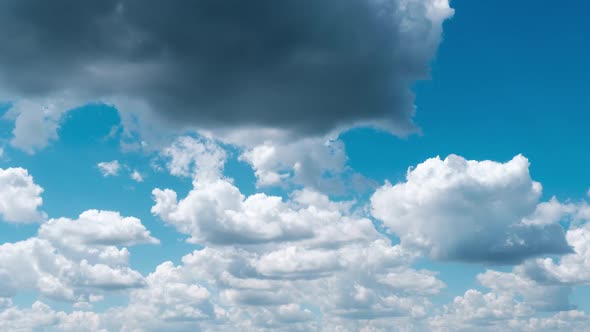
(304, 65)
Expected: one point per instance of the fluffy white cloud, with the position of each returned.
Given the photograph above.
(476, 311)
(109, 168)
(216, 212)
(457, 209)
(550, 212)
(20, 197)
(195, 157)
(95, 228)
(318, 163)
(484, 311)
(35, 264)
(540, 296)
(40, 317)
(74, 260)
(169, 301)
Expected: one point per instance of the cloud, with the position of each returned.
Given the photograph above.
(41, 317)
(74, 260)
(96, 233)
(466, 210)
(216, 212)
(477, 311)
(305, 67)
(110, 168)
(35, 264)
(20, 197)
(539, 296)
(316, 163)
(572, 269)
(222, 289)
(194, 157)
(270, 262)
(136, 176)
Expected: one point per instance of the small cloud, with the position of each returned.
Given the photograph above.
(136, 176)
(110, 168)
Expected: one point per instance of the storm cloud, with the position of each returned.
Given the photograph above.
(304, 66)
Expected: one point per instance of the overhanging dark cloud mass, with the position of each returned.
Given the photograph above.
(303, 65)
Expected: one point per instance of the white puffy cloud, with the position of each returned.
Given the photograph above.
(169, 301)
(216, 212)
(318, 163)
(540, 296)
(20, 197)
(40, 317)
(550, 212)
(195, 157)
(94, 231)
(109, 168)
(74, 260)
(35, 264)
(477, 311)
(466, 210)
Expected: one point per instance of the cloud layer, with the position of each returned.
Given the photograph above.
(307, 67)
(307, 262)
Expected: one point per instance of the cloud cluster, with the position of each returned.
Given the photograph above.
(306, 67)
(20, 197)
(466, 210)
(308, 262)
(317, 163)
(74, 260)
(277, 263)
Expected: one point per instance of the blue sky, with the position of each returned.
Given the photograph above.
(175, 198)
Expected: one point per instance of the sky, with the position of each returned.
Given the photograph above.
(370, 165)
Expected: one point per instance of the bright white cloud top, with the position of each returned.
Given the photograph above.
(20, 197)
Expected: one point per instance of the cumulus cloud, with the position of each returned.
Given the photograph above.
(194, 157)
(36, 265)
(318, 163)
(513, 303)
(477, 311)
(216, 212)
(304, 261)
(41, 317)
(466, 210)
(304, 67)
(74, 260)
(228, 289)
(109, 168)
(539, 296)
(20, 197)
(570, 269)
(96, 233)
(268, 258)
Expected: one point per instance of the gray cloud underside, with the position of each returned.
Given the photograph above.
(305, 66)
